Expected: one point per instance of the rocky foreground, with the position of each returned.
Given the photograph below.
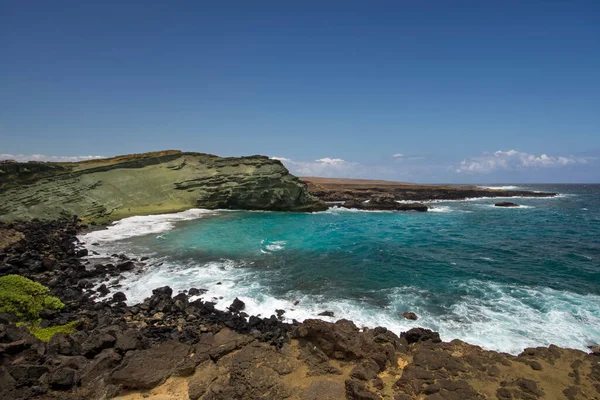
(175, 346)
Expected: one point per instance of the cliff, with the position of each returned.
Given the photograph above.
(161, 182)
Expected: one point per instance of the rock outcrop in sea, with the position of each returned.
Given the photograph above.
(150, 183)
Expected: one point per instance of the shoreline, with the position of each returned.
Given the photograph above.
(130, 336)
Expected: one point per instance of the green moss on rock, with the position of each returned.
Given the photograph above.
(45, 334)
(26, 298)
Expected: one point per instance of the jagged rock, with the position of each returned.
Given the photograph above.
(216, 346)
(63, 378)
(134, 372)
(326, 314)
(196, 292)
(237, 305)
(103, 290)
(27, 373)
(410, 315)
(420, 335)
(506, 204)
(119, 296)
(97, 342)
(126, 266)
(356, 390)
(163, 292)
(129, 340)
(60, 344)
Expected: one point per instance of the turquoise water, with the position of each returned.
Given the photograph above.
(502, 278)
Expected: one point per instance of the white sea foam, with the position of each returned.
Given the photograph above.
(492, 198)
(273, 246)
(509, 187)
(441, 209)
(142, 225)
(498, 317)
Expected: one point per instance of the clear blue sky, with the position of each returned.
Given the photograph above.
(445, 84)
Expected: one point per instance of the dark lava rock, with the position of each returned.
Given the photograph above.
(506, 204)
(129, 340)
(326, 314)
(196, 292)
(126, 266)
(420, 335)
(97, 342)
(356, 390)
(410, 315)
(103, 290)
(27, 373)
(146, 369)
(82, 252)
(63, 378)
(119, 296)
(237, 305)
(60, 344)
(164, 291)
(7, 318)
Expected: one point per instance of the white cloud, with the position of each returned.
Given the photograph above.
(513, 160)
(331, 167)
(42, 157)
(397, 155)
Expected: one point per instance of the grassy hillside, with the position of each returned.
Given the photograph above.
(104, 190)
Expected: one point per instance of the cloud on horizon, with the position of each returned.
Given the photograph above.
(330, 167)
(43, 157)
(514, 160)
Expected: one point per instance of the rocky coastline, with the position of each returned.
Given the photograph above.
(177, 346)
(364, 194)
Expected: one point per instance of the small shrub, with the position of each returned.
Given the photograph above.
(26, 298)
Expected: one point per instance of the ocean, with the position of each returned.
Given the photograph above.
(502, 278)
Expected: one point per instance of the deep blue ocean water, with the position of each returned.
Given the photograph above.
(502, 278)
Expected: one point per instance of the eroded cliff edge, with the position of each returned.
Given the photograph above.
(161, 182)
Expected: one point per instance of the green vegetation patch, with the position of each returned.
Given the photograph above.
(26, 298)
(45, 334)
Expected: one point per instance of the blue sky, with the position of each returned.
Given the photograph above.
(464, 91)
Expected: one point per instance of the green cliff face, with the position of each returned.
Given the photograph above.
(106, 190)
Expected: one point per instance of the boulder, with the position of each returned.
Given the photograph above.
(126, 266)
(326, 314)
(64, 378)
(129, 340)
(420, 335)
(119, 296)
(145, 369)
(97, 342)
(237, 305)
(410, 315)
(506, 204)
